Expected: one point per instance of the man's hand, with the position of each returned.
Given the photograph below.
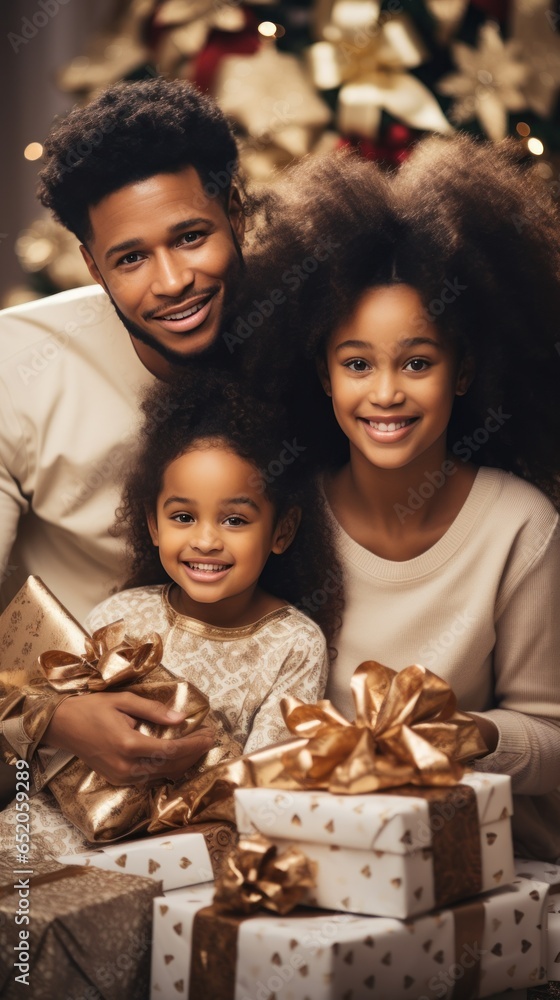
(99, 729)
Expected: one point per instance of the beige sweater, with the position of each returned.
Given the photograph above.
(69, 386)
(481, 609)
(245, 672)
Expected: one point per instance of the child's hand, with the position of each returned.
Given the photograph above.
(99, 729)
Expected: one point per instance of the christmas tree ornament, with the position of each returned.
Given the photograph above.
(188, 39)
(270, 95)
(489, 83)
(448, 15)
(533, 27)
(113, 55)
(368, 55)
(50, 251)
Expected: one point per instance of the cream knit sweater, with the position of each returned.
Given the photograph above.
(481, 609)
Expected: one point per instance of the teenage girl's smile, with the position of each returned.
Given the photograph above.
(390, 428)
(392, 378)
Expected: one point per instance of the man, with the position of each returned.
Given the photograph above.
(145, 178)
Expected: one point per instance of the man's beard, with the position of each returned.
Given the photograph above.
(215, 354)
(212, 354)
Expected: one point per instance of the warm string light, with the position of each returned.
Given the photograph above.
(33, 151)
(268, 29)
(535, 146)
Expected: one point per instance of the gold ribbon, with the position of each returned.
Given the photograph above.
(407, 731)
(468, 922)
(257, 876)
(70, 871)
(369, 61)
(113, 660)
(110, 658)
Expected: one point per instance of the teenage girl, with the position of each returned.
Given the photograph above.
(434, 329)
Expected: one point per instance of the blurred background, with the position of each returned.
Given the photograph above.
(296, 77)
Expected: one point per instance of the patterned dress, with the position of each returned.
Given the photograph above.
(244, 672)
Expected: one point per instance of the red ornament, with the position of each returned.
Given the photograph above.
(392, 148)
(495, 10)
(225, 43)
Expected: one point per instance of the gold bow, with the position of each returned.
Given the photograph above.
(113, 660)
(407, 732)
(257, 876)
(369, 58)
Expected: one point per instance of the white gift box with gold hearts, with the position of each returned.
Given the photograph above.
(551, 874)
(177, 860)
(486, 946)
(390, 854)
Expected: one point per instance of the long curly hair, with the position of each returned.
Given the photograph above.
(475, 233)
(211, 407)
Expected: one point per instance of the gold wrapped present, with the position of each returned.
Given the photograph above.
(75, 932)
(38, 673)
(407, 732)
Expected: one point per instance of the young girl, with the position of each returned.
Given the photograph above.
(434, 328)
(224, 538)
(225, 535)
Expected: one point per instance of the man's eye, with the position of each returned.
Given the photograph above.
(130, 258)
(357, 365)
(191, 237)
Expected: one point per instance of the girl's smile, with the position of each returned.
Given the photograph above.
(391, 429)
(392, 379)
(215, 529)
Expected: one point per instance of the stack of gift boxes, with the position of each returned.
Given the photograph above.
(415, 893)
(416, 897)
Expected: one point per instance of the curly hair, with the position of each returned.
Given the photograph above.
(210, 407)
(476, 234)
(130, 132)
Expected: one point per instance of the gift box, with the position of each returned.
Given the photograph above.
(394, 855)
(475, 949)
(73, 932)
(176, 860)
(45, 657)
(549, 873)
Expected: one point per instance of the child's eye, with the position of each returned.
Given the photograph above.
(182, 518)
(417, 365)
(234, 520)
(357, 365)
